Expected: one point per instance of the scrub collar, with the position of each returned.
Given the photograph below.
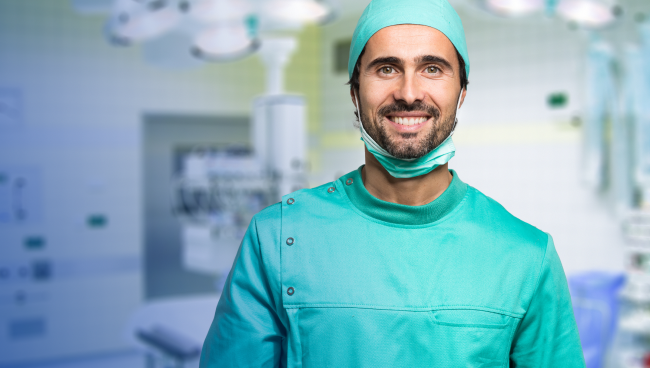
(401, 214)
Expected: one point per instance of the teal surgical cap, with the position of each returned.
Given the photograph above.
(436, 14)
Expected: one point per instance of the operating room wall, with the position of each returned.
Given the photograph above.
(511, 144)
(76, 137)
(516, 64)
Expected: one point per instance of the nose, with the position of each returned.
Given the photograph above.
(409, 89)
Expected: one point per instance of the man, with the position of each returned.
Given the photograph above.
(399, 263)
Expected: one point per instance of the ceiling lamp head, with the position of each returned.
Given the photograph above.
(220, 10)
(298, 11)
(589, 13)
(133, 21)
(170, 51)
(226, 41)
(514, 7)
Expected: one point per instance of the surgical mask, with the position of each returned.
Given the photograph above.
(410, 167)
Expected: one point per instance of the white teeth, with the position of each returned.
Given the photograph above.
(409, 121)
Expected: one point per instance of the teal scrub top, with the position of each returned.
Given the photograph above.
(334, 277)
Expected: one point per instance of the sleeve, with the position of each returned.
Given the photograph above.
(246, 330)
(547, 336)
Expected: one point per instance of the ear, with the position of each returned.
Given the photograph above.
(354, 102)
(462, 97)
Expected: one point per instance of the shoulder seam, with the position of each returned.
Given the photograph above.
(539, 274)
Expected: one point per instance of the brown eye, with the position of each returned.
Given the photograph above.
(433, 69)
(386, 69)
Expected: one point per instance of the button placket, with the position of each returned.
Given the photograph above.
(290, 241)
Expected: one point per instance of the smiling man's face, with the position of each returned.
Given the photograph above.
(409, 85)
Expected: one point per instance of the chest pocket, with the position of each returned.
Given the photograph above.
(472, 338)
(360, 337)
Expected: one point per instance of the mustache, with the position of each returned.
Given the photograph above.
(401, 106)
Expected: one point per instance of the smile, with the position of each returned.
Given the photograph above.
(407, 120)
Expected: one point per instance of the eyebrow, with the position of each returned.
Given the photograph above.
(433, 59)
(419, 59)
(384, 60)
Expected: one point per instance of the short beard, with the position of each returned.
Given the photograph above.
(440, 130)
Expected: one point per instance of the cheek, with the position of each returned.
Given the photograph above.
(376, 95)
(369, 104)
(445, 100)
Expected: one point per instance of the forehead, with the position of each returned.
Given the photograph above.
(407, 41)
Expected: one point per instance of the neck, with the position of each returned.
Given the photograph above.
(416, 191)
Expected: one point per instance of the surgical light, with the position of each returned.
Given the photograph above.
(220, 10)
(218, 30)
(589, 13)
(298, 11)
(514, 7)
(225, 42)
(170, 51)
(133, 21)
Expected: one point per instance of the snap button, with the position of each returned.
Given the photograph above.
(290, 291)
(291, 201)
(331, 190)
(349, 181)
(290, 241)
